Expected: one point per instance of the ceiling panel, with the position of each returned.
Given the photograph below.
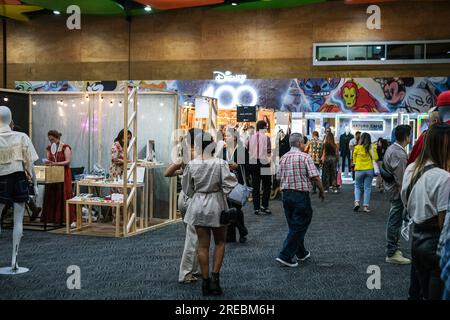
(177, 4)
(16, 12)
(92, 7)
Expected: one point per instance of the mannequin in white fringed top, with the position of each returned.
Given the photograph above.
(17, 155)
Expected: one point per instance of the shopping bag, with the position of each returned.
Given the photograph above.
(339, 178)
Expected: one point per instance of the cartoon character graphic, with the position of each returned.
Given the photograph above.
(101, 86)
(349, 93)
(354, 99)
(419, 100)
(292, 98)
(317, 90)
(308, 95)
(394, 90)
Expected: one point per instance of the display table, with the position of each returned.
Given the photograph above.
(95, 201)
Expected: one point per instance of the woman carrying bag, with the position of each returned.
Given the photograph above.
(207, 181)
(364, 157)
(230, 154)
(426, 192)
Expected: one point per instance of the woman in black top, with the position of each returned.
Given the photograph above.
(330, 156)
(382, 146)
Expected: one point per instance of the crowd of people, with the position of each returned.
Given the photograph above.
(417, 185)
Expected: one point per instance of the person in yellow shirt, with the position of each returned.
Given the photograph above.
(363, 156)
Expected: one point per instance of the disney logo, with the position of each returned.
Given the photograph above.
(229, 76)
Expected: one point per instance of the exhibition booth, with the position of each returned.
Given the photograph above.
(142, 199)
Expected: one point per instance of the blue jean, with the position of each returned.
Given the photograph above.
(298, 211)
(394, 225)
(363, 183)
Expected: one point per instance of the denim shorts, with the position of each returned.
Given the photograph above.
(14, 188)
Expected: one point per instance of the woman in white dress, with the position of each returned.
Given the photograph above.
(206, 181)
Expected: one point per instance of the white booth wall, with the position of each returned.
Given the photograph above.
(90, 126)
(71, 117)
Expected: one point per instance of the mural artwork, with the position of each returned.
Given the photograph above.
(347, 95)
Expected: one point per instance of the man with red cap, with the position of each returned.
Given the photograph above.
(439, 115)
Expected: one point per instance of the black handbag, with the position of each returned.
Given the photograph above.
(31, 191)
(386, 175)
(228, 216)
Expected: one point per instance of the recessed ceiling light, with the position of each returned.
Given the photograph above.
(148, 8)
(56, 12)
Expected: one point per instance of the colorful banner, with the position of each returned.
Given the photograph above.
(347, 95)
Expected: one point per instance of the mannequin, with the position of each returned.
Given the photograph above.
(17, 156)
(344, 148)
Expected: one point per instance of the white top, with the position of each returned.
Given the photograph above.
(429, 196)
(16, 152)
(206, 183)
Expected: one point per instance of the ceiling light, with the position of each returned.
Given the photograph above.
(56, 12)
(378, 47)
(148, 8)
(5, 99)
(234, 3)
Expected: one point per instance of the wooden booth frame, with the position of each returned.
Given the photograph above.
(187, 119)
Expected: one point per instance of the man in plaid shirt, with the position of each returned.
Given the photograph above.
(297, 174)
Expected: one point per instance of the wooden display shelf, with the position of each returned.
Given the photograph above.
(78, 202)
(104, 184)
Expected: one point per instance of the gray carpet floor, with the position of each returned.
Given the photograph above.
(343, 244)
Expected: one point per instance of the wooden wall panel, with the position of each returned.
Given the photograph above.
(191, 43)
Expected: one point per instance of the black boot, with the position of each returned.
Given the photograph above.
(214, 287)
(206, 287)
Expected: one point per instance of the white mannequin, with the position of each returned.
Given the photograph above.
(29, 156)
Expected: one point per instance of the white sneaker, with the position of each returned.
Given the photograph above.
(398, 258)
(308, 255)
(287, 263)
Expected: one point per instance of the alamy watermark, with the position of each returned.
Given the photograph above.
(374, 280)
(74, 280)
(374, 21)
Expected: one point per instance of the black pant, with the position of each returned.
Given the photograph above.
(426, 261)
(414, 285)
(345, 156)
(266, 180)
(239, 223)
